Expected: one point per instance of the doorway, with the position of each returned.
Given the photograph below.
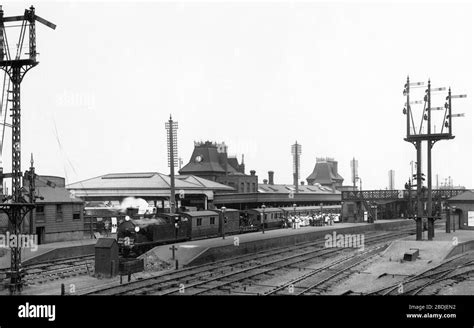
(40, 233)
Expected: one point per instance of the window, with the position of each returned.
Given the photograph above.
(59, 212)
(199, 222)
(76, 216)
(39, 214)
(248, 187)
(213, 220)
(242, 186)
(254, 189)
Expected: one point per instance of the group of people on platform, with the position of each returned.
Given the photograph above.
(319, 219)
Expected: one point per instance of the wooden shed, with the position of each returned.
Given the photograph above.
(106, 258)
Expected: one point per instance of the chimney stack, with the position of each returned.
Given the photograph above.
(270, 177)
(265, 181)
(252, 172)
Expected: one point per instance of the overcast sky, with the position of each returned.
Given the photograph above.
(256, 75)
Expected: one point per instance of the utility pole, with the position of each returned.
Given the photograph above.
(431, 138)
(171, 128)
(17, 207)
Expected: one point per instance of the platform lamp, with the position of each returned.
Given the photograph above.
(447, 210)
(454, 222)
(263, 218)
(294, 216)
(223, 221)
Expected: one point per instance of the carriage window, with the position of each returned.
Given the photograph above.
(198, 221)
(213, 220)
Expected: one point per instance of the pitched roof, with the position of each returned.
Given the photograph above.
(199, 213)
(465, 196)
(203, 182)
(210, 161)
(286, 189)
(147, 180)
(55, 195)
(324, 172)
(233, 162)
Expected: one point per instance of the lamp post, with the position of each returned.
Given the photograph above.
(294, 216)
(454, 221)
(448, 218)
(223, 221)
(263, 218)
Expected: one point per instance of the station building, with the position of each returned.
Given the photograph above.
(210, 161)
(462, 209)
(279, 195)
(58, 215)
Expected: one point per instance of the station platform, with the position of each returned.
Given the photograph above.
(391, 268)
(50, 251)
(209, 250)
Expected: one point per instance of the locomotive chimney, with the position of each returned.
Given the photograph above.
(270, 177)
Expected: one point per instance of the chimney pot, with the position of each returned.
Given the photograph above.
(270, 177)
(252, 172)
(265, 181)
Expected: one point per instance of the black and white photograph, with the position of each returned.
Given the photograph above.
(237, 148)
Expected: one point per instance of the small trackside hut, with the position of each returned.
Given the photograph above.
(106, 258)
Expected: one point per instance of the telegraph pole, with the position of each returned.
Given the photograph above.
(17, 207)
(172, 136)
(429, 146)
(431, 138)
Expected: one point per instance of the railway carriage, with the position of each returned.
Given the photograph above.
(204, 224)
(231, 221)
(274, 217)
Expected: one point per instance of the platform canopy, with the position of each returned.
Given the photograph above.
(147, 185)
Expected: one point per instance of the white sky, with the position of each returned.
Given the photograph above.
(256, 75)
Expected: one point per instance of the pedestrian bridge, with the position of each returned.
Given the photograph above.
(375, 195)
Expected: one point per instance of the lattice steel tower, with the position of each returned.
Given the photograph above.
(16, 206)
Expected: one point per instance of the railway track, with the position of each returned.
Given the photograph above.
(319, 281)
(228, 275)
(455, 269)
(56, 269)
